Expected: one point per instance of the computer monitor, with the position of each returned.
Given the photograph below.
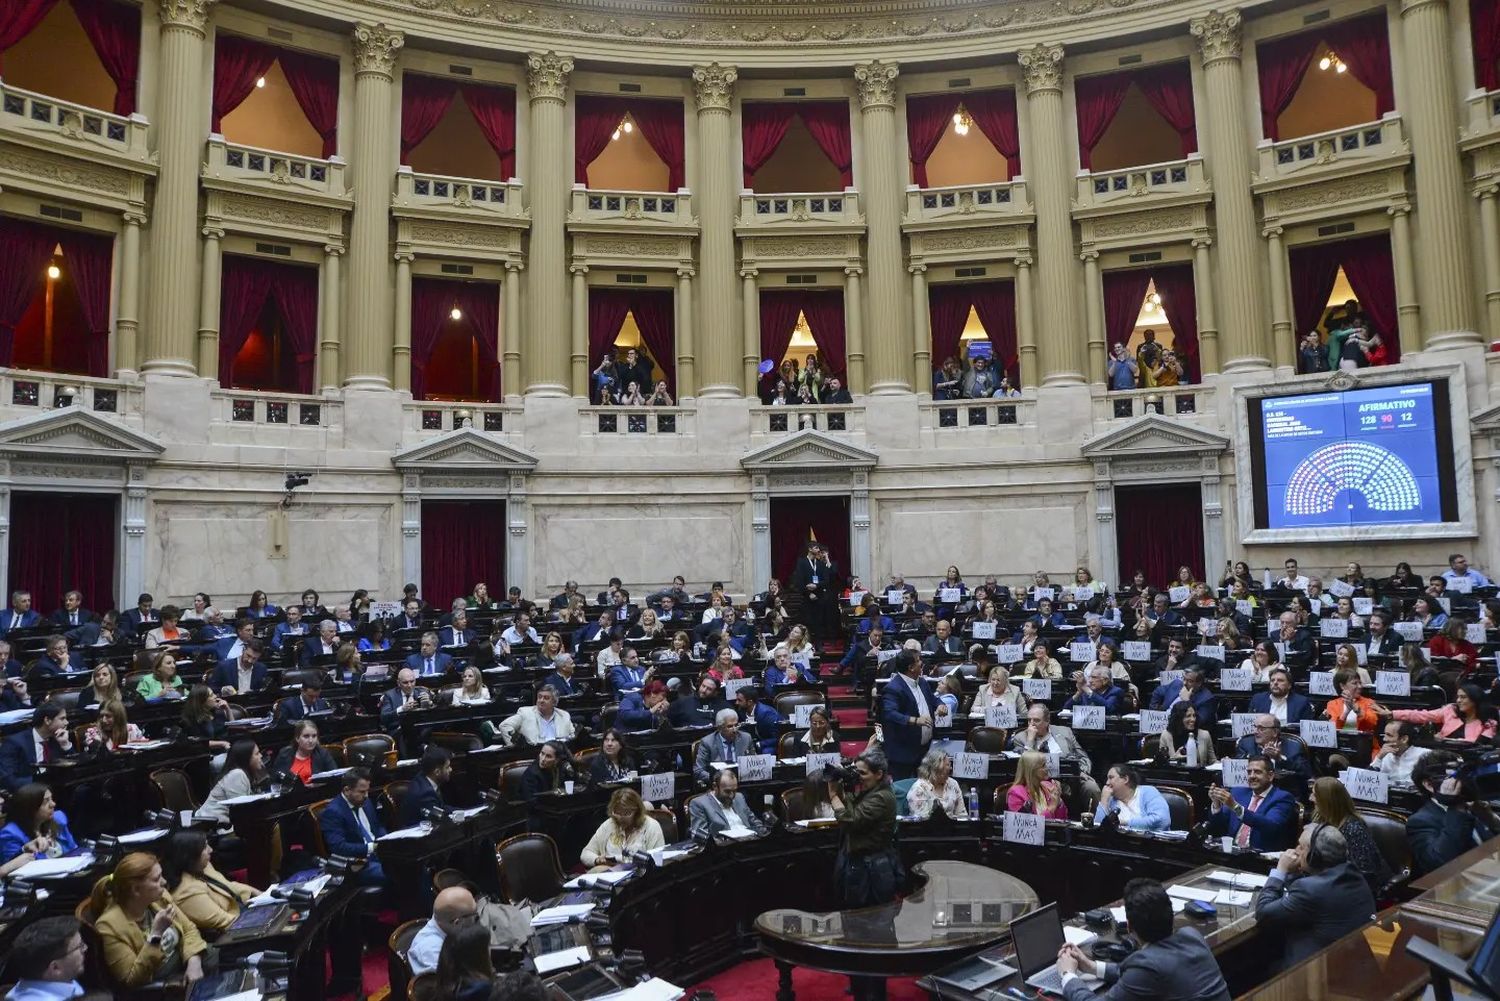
(1485, 966)
(1038, 937)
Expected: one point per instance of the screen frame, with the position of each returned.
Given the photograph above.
(1249, 491)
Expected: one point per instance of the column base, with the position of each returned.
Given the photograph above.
(1252, 364)
(1052, 379)
(1452, 340)
(721, 391)
(176, 368)
(367, 382)
(549, 389)
(889, 388)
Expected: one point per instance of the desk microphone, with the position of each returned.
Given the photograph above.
(490, 797)
(436, 814)
(296, 895)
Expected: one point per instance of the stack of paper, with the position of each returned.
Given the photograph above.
(561, 959)
(415, 831)
(655, 989)
(1192, 893)
(44, 867)
(1239, 880)
(588, 879)
(560, 915)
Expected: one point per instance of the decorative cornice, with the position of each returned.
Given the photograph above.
(1042, 68)
(1218, 34)
(876, 82)
(713, 86)
(375, 48)
(190, 14)
(547, 76)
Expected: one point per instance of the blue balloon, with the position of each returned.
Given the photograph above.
(767, 366)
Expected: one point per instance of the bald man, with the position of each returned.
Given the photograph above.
(453, 908)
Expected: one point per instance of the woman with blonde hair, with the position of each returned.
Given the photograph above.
(162, 682)
(646, 627)
(935, 787)
(1034, 791)
(144, 936)
(104, 686)
(471, 690)
(1332, 805)
(552, 647)
(112, 729)
(627, 830)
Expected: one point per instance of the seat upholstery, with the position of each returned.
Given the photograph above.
(369, 750)
(390, 802)
(510, 780)
(668, 821)
(315, 811)
(174, 789)
(987, 739)
(529, 868)
(1180, 805)
(397, 965)
(458, 743)
(787, 702)
(1388, 828)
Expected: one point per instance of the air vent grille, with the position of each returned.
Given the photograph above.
(630, 88)
(458, 269)
(1130, 60)
(460, 70)
(1146, 257)
(58, 212)
(969, 272)
(630, 279)
(794, 92)
(802, 279)
(274, 249)
(1336, 229)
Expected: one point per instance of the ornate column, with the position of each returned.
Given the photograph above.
(1243, 329)
(1051, 183)
(372, 351)
(760, 530)
(1093, 312)
(578, 335)
(892, 356)
(128, 311)
(401, 352)
(1431, 120)
(208, 302)
(1283, 338)
(750, 323)
(861, 555)
(687, 379)
(510, 335)
(548, 181)
(1408, 312)
(1489, 223)
(716, 199)
(1025, 325)
(854, 330)
(1203, 291)
(180, 130)
(332, 301)
(921, 325)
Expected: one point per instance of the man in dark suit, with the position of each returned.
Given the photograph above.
(595, 632)
(19, 615)
(426, 791)
(214, 628)
(404, 696)
(560, 601)
(324, 644)
(1260, 816)
(1285, 756)
(1314, 897)
(231, 674)
(45, 741)
(633, 369)
(229, 647)
(142, 618)
(629, 676)
(430, 661)
(907, 709)
(815, 580)
(836, 393)
(1176, 658)
(1381, 642)
(762, 720)
(1189, 688)
(1168, 966)
(309, 700)
(561, 677)
(1281, 701)
(410, 617)
(102, 631)
(458, 632)
(1298, 642)
(72, 614)
(351, 826)
(1448, 824)
(293, 626)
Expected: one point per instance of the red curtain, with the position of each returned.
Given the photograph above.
(661, 125)
(607, 309)
(795, 521)
(1179, 300)
(1367, 265)
(295, 292)
(1124, 292)
(64, 542)
(1484, 29)
(1158, 529)
(1314, 269)
(238, 63)
(463, 543)
(245, 285)
(594, 121)
(1098, 99)
(947, 311)
(762, 127)
(314, 82)
(89, 258)
(994, 111)
(25, 249)
(480, 304)
(995, 302)
(424, 99)
(778, 318)
(432, 302)
(828, 121)
(114, 30)
(1282, 62)
(494, 108)
(825, 317)
(927, 118)
(18, 18)
(1365, 47)
(1169, 89)
(653, 310)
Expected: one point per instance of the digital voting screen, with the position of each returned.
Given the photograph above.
(1361, 457)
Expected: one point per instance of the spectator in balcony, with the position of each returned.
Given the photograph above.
(812, 378)
(632, 397)
(1169, 372)
(1123, 370)
(1311, 355)
(947, 382)
(805, 397)
(1005, 390)
(633, 369)
(979, 380)
(659, 396)
(834, 392)
(605, 380)
(781, 395)
(1148, 359)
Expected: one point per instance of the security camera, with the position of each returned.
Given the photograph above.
(295, 480)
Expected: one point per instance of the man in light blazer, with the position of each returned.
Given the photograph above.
(725, 744)
(538, 723)
(1041, 735)
(722, 809)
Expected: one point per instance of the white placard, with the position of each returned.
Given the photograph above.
(1177, 595)
(971, 765)
(816, 762)
(1137, 650)
(733, 685)
(1392, 683)
(1081, 595)
(1088, 717)
(1319, 733)
(1208, 626)
(1154, 720)
(1362, 654)
(1366, 784)
(1037, 594)
(1364, 606)
(1235, 770)
(1320, 683)
(1334, 629)
(1409, 631)
(1210, 651)
(1009, 653)
(1341, 589)
(1461, 585)
(1243, 606)
(1281, 649)
(950, 595)
(755, 767)
(1003, 717)
(1241, 724)
(801, 714)
(1037, 688)
(942, 721)
(984, 630)
(1474, 633)
(658, 788)
(857, 598)
(895, 597)
(881, 656)
(1167, 677)
(384, 609)
(1082, 652)
(1236, 679)
(1023, 829)
(1446, 602)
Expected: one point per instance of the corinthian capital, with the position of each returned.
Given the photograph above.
(1041, 65)
(375, 48)
(877, 84)
(1218, 34)
(191, 14)
(547, 75)
(713, 86)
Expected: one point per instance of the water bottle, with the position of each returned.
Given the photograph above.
(1192, 750)
(974, 803)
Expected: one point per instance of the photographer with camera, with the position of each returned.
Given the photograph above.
(868, 867)
(1451, 821)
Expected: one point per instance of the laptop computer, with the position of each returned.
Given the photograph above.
(1038, 937)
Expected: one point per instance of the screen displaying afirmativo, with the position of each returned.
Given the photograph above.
(1380, 456)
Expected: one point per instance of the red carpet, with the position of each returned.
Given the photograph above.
(756, 981)
(376, 974)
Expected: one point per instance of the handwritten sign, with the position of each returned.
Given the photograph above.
(1236, 679)
(1002, 716)
(756, 767)
(1244, 607)
(1208, 626)
(1319, 733)
(1009, 653)
(1364, 606)
(1138, 650)
(1088, 717)
(881, 656)
(1177, 595)
(1054, 764)
(1320, 683)
(1167, 677)
(1335, 629)
(894, 597)
(1392, 683)
(1210, 651)
(659, 787)
(1154, 720)
(801, 716)
(1409, 631)
(1039, 593)
(1474, 632)
(1366, 784)
(1235, 770)
(384, 609)
(950, 595)
(1361, 655)
(817, 762)
(1241, 724)
(1082, 652)
(1023, 829)
(971, 765)
(857, 598)
(1281, 649)
(1461, 585)
(984, 630)
(1037, 688)
(1341, 589)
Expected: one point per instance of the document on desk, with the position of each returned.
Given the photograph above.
(332, 773)
(1118, 913)
(1192, 893)
(1238, 880)
(1234, 898)
(560, 915)
(241, 800)
(561, 959)
(137, 837)
(145, 745)
(608, 876)
(44, 867)
(417, 831)
(1077, 936)
(459, 816)
(655, 989)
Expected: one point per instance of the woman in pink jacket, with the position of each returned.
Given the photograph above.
(1467, 717)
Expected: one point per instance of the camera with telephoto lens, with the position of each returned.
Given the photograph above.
(842, 774)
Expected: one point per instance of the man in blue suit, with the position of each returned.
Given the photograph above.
(458, 633)
(1260, 816)
(430, 661)
(309, 701)
(1189, 688)
(293, 626)
(594, 632)
(629, 676)
(230, 674)
(45, 741)
(229, 647)
(1285, 756)
(760, 719)
(19, 615)
(907, 708)
(426, 789)
(351, 826)
(561, 677)
(1097, 688)
(142, 618)
(1283, 703)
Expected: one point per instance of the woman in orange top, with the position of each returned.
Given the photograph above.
(1452, 642)
(1351, 710)
(167, 632)
(305, 757)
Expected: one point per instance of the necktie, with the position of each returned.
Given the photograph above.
(73, 619)
(729, 751)
(46, 752)
(15, 621)
(428, 668)
(1242, 838)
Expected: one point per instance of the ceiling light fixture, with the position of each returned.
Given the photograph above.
(54, 272)
(624, 128)
(455, 314)
(962, 121)
(1333, 62)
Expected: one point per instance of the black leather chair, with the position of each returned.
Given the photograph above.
(987, 739)
(786, 702)
(174, 790)
(510, 780)
(369, 750)
(1180, 805)
(1388, 828)
(529, 868)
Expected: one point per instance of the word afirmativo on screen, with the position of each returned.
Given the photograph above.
(1362, 457)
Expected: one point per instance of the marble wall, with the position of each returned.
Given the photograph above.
(643, 542)
(1010, 534)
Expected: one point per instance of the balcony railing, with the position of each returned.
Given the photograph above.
(1169, 401)
(1135, 184)
(465, 194)
(254, 408)
(427, 418)
(829, 208)
(73, 124)
(23, 392)
(285, 173)
(628, 422)
(944, 416)
(837, 418)
(1484, 113)
(634, 207)
(1369, 141)
(1004, 198)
